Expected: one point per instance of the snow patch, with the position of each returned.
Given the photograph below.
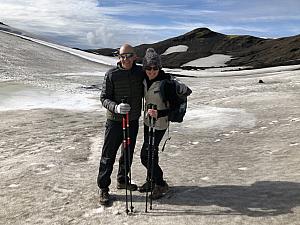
(295, 120)
(243, 168)
(220, 72)
(177, 48)
(215, 60)
(204, 178)
(273, 122)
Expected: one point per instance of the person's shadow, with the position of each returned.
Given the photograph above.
(263, 198)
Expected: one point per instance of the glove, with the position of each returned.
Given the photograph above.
(122, 108)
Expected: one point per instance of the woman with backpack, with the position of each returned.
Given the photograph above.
(156, 118)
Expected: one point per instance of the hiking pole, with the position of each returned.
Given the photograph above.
(129, 158)
(124, 154)
(148, 156)
(153, 155)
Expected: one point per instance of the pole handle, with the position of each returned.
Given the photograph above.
(149, 106)
(124, 99)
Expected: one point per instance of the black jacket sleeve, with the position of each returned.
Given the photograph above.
(106, 96)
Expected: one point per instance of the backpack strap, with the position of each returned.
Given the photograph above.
(163, 96)
(169, 138)
(162, 90)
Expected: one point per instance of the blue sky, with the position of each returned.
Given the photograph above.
(99, 24)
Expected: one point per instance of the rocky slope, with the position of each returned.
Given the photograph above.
(246, 50)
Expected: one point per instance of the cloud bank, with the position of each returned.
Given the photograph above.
(99, 24)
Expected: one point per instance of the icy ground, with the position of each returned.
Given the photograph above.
(234, 160)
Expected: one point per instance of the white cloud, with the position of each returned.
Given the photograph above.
(83, 24)
(103, 36)
(80, 20)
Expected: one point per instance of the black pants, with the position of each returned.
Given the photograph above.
(157, 171)
(112, 141)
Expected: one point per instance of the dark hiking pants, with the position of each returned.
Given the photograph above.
(112, 141)
(157, 171)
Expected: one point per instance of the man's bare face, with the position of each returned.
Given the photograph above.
(127, 57)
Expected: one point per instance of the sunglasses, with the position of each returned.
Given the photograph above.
(126, 55)
(151, 68)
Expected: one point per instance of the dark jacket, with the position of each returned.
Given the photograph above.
(119, 83)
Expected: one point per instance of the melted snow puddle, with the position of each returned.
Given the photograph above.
(22, 97)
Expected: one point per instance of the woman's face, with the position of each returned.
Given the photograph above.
(152, 71)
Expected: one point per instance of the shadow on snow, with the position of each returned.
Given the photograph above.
(263, 198)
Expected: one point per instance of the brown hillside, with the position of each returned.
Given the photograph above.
(246, 50)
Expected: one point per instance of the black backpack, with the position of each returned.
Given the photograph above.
(177, 104)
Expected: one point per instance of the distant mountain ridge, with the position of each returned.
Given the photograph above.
(245, 50)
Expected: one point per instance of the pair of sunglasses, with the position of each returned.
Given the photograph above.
(151, 68)
(126, 55)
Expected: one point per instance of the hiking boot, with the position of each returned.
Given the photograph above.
(146, 187)
(159, 191)
(130, 187)
(104, 197)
